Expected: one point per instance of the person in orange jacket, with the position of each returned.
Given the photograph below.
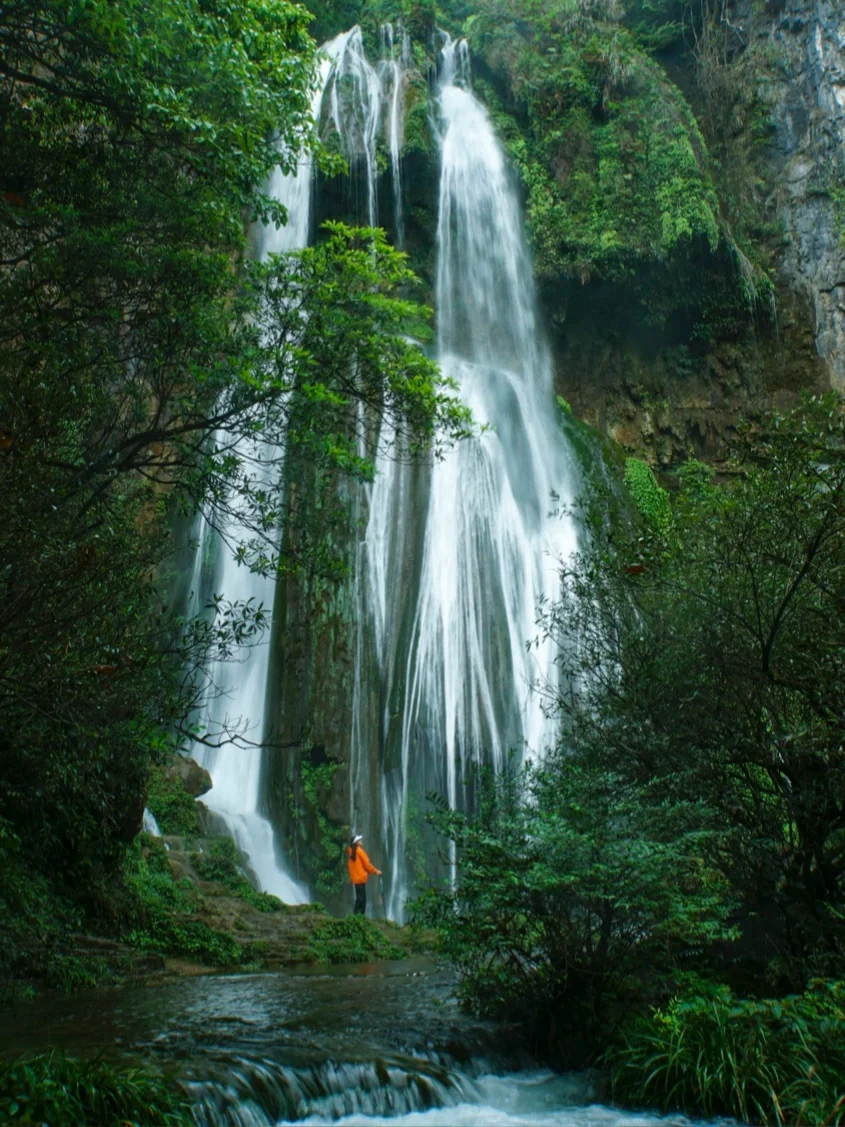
(360, 867)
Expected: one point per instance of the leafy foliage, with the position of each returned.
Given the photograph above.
(38, 927)
(163, 912)
(773, 1062)
(54, 1088)
(651, 500)
(174, 809)
(612, 157)
(573, 902)
(710, 669)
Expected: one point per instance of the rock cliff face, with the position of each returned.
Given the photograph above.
(665, 394)
(805, 90)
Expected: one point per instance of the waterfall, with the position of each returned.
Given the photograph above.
(355, 106)
(449, 644)
(235, 693)
(456, 555)
(392, 70)
(149, 825)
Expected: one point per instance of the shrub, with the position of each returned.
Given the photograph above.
(188, 937)
(573, 902)
(773, 1062)
(163, 911)
(651, 499)
(51, 1088)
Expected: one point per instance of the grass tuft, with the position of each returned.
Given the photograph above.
(351, 940)
(51, 1088)
(775, 1062)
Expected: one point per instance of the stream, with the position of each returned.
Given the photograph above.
(381, 1043)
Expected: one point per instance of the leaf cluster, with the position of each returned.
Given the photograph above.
(702, 655)
(573, 902)
(351, 940)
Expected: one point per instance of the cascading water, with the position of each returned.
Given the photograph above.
(385, 1048)
(355, 104)
(354, 95)
(488, 548)
(458, 554)
(392, 70)
(235, 695)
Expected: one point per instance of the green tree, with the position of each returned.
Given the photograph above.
(575, 901)
(703, 657)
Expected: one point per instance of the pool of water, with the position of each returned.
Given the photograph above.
(357, 1046)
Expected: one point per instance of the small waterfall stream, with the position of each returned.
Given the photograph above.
(381, 1045)
(235, 698)
(394, 64)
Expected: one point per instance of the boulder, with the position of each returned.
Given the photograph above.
(195, 779)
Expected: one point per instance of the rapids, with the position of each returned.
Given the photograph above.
(363, 1046)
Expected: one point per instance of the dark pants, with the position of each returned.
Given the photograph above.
(360, 899)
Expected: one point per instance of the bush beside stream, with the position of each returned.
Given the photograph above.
(771, 1061)
(52, 1088)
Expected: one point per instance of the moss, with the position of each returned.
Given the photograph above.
(619, 184)
(174, 810)
(221, 863)
(837, 195)
(599, 458)
(352, 940)
(419, 137)
(651, 499)
(164, 911)
(612, 158)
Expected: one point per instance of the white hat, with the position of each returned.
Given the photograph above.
(357, 838)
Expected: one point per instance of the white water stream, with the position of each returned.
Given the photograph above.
(489, 538)
(392, 68)
(355, 104)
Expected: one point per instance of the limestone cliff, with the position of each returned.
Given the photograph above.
(804, 87)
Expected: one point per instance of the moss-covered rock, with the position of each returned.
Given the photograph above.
(171, 802)
(220, 862)
(351, 940)
(617, 175)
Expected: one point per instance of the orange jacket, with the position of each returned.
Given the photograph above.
(361, 867)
